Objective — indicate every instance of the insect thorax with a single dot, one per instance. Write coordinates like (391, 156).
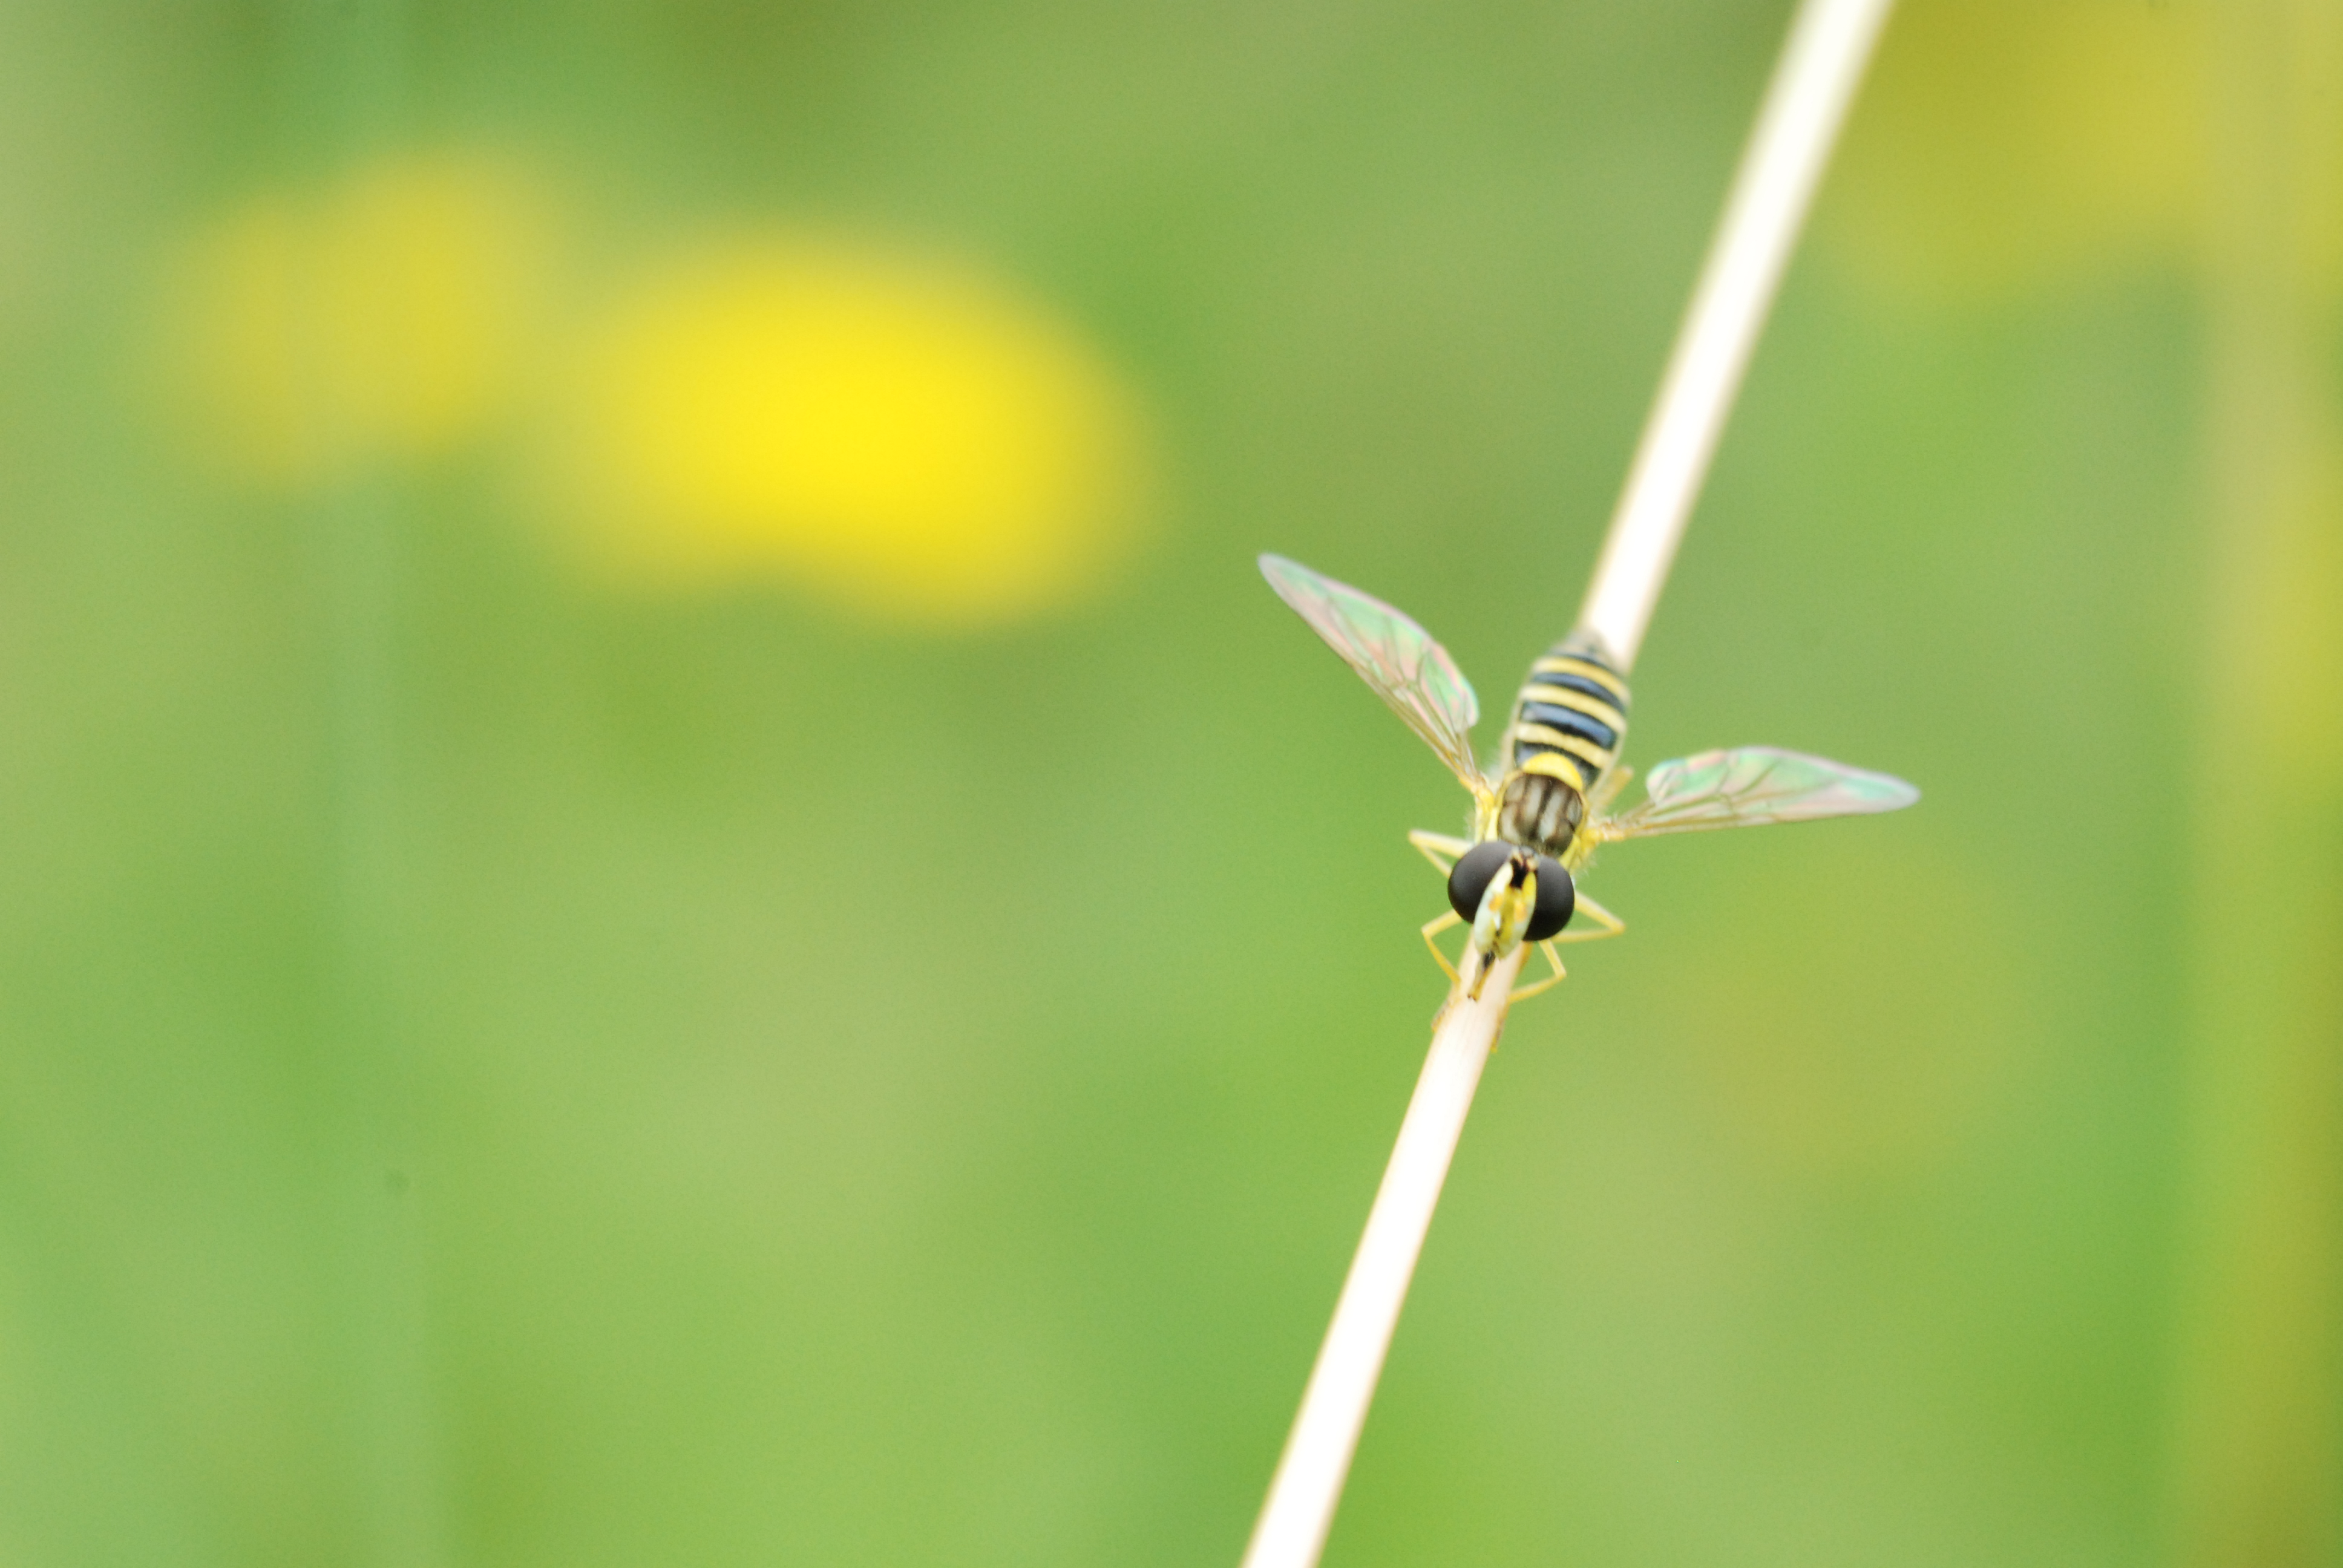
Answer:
(1539, 809)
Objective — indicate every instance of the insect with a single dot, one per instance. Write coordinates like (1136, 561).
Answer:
(1542, 809)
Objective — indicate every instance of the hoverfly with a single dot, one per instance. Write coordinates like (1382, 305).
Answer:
(1541, 810)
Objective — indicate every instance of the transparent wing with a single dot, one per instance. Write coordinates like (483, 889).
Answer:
(1749, 786)
(1391, 654)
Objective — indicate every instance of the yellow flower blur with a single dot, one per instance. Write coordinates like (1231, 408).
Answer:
(899, 437)
(382, 319)
(2004, 146)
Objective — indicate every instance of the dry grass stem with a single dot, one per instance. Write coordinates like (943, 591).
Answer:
(1821, 66)
(1829, 44)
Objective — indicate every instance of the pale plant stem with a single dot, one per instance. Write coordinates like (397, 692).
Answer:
(1830, 42)
(1301, 1507)
(1821, 66)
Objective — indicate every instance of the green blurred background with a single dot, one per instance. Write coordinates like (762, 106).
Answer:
(591, 978)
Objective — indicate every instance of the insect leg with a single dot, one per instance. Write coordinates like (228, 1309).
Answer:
(1608, 791)
(1611, 924)
(1552, 981)
(1438, 847)
(1434, 928)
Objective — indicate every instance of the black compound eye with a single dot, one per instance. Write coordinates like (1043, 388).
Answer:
(1468, 879)
(1557, 899)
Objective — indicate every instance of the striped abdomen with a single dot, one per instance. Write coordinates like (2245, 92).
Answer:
(1568, 726)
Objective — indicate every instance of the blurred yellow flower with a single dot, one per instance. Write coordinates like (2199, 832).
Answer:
(900, 437)
(2005, 144)
(381, 320)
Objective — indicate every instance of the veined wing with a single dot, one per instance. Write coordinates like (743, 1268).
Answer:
(1750, 786)
(1393, 655)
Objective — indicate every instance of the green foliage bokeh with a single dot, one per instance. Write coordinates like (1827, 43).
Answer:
(495, 1069)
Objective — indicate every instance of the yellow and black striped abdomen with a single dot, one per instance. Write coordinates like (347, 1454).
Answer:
(1571, 718)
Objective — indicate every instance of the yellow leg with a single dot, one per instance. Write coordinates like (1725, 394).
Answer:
(1435, 845)
(1611, 924)
(1560, 974)
(1607, 789)
(1434, 928)
(1554, 958)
